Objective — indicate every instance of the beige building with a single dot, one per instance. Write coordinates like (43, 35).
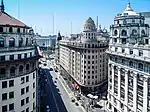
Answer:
(84, 59)
(18, 65)
(129, 63)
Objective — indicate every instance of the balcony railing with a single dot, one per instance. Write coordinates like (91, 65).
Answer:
(5, 49)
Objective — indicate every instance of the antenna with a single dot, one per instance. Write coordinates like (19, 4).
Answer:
(71, 27)
(53, 23)
(97, 23)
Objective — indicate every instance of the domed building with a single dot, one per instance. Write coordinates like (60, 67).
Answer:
(18, 65)
(129, 63)
(83, 60)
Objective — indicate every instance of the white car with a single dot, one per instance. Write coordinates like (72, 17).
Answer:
(47, 108)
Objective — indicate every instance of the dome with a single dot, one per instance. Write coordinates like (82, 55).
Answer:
(89, 25)
(129, 10)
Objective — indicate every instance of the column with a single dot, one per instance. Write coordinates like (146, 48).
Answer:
(145, 93)
(134, 91)
(119, 83)
(6, 42)
(126, 91)
(112, 79)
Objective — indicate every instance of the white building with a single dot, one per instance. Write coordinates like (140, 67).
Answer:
(129, 63)
(18, 65)
(84, 59)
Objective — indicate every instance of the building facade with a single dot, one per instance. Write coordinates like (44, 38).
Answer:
(84, 59)
(129, 63)
(18, 65)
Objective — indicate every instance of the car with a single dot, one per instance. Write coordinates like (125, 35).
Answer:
(45, 64)
(76, 104)
(51, 69)
(47, 108)
(56, 78)
(73, 100)
(55, 81)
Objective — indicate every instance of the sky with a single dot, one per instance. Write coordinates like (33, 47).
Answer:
(39, 14)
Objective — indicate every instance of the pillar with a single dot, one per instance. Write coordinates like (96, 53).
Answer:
(135, 91)
(126, 91)
(145, 93)
(119, 83)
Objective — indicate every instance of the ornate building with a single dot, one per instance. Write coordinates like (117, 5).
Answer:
(18, 65)
(84, 59)
(129, 63)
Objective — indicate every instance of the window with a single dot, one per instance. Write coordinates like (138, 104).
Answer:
(20, 69)
(20, 42)
(18, 30)
(27, 78)
(25, 55)
(134, 32)
(22, 102)
(10, 30)
(1, 42)
(124, 33)
(30, 54)
(88, 57)
(33, 106)
(88, 77)
(12, 71)
(26, 41)
(2, 58)
(22, 80)
(124, 22)
(140, 66)
(131, 63)
(27, 109)
(115, 39)
(4, 108)
(2, 72)
(22, 91)
(11, 95)
(11, 83)
(131, 51)
(140, 53)
(11, 57)
(142, 33)
(27, 100)
(34, 85)
(4, 96)
(123, 50)
(146, 41)
(33, 75)
(34, 95)
(1, 29)
(123, 41)
(11, 42)
(115, 32)
(11, 107)
(4, 84)
(27, 89)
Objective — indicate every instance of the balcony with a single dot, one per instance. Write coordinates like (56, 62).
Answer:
(11, 49)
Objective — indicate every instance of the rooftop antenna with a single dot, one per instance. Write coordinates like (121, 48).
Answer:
(53, 23)
(97, 23)
(71, 27)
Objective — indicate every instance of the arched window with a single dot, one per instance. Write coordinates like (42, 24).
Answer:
(140, 66)
(2, 72)
(20, 69)
(27, 67)
(1, 42)
(18, 30)
(1, 29)
(142, 32)
(10, 30)
(134, 32)
(23, 30)
(12, 71)
(11, 42)
(131, 63)
(124, 33)
(115, 32)
(20, 42)
(32, 65)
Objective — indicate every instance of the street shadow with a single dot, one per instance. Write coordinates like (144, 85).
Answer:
(56, 92)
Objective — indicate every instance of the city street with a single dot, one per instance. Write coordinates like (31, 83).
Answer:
(56, 96)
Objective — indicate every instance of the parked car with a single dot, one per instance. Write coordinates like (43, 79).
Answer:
(47, 108)
(76, 104)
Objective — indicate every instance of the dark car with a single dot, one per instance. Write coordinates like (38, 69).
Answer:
(45, 64)
(51, 69)
(76, 104)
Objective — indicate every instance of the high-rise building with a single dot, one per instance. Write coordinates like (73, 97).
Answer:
(18, 65)
(83, 59)
(129, 63)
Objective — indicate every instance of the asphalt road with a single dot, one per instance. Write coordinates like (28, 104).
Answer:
(53, 98)
(56, 96)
